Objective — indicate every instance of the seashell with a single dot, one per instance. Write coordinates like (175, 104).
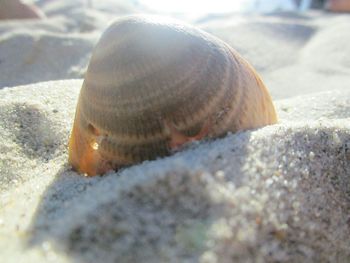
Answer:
(153, 85)
(16, 9)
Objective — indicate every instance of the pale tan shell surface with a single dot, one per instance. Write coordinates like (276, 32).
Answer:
(151, 85)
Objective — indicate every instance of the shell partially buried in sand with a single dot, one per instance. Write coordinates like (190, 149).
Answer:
(153, 85)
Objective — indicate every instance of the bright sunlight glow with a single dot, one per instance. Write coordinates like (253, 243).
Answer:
(198, 7)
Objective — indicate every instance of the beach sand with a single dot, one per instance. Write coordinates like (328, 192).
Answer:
(274, 194)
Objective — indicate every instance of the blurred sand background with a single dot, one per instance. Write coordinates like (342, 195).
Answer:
(275, 194)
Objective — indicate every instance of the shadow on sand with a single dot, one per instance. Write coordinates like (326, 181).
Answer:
(141, 213)
(167, 210)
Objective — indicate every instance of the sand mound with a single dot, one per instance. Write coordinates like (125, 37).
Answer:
(42, 56)
(280, 193)
(295, 53)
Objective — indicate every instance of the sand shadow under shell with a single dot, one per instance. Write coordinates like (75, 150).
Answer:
(167, 209)
(154, 206)
(164, 210)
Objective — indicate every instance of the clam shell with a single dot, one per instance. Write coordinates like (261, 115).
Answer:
(152, 85)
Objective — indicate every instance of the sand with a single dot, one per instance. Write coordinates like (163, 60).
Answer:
(274, 194)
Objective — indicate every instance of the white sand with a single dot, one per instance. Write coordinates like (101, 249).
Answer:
(276, 194)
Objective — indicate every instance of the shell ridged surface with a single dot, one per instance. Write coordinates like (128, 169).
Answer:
(152, 85)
